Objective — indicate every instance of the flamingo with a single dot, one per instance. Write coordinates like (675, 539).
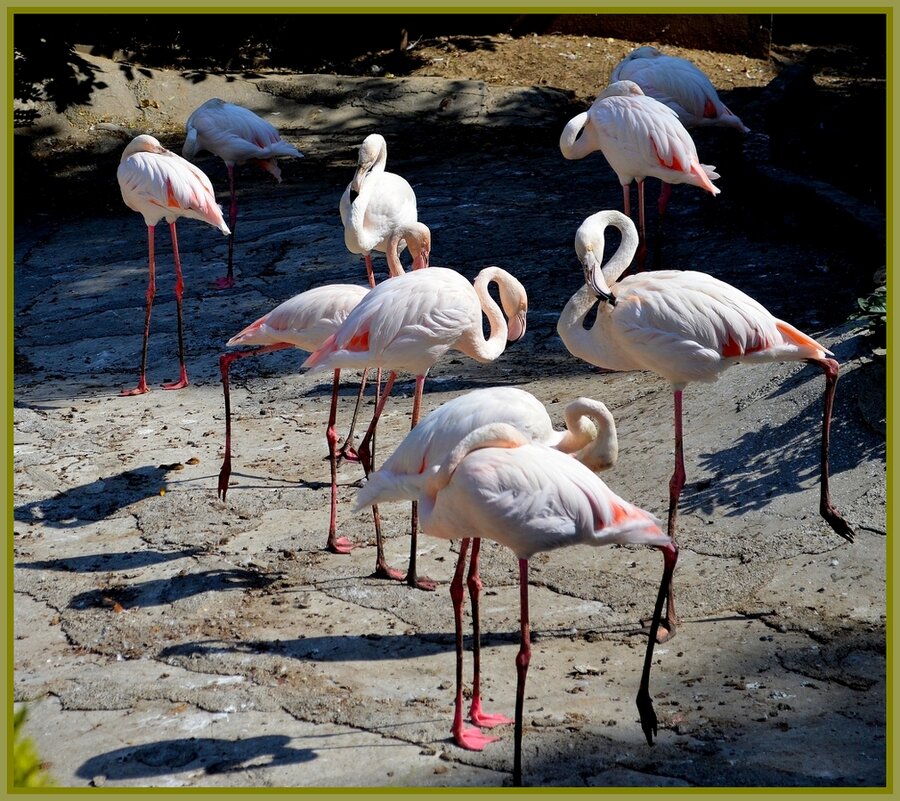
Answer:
(684, 326)
(378, 208)
(678, 83)
(304, 321)
(532, 498)
(237, 136)
(639, 137)
(590, 436)
(157, 183)
(407, 323)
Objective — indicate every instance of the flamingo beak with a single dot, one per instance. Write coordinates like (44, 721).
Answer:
(516, 328)
(591, 269)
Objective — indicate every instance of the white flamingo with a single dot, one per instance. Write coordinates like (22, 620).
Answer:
(160, 184)
(678, 83)
(237, 136)
(590, 436)
(497, 485)
(407, 324)
(684, 326)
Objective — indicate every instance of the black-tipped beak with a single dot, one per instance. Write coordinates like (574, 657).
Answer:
(353, 195)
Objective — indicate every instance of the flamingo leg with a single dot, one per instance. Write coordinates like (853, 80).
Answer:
(334, 544)
(228, 280)
(523, 658)
(419, 582)
(225, 361)
(182, 381)
(474, 583)
(644, 702)
(641, 256)
(366, 458)
(826, 508)
(469, 738)
(142, 387)
(665, 193)
(347, 451)
(370, 272)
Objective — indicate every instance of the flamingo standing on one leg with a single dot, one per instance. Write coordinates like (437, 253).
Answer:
(532, 498)
(684, 326)
(157, 184)
(408, 323)
(640, 137)
(678, 83)
(237, 136)
(590, 436)
(304, 322)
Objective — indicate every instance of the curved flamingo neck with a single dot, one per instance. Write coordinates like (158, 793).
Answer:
(365, 182)
(571, 144)
(590, 240)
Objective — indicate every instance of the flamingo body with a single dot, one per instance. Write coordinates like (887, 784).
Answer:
(236, 135)
(639, 137)
(378, 208)
(679, 84)
(160, 184)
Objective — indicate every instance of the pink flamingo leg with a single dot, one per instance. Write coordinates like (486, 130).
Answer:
(334, 544)
(142, 387)
(182, 381)
(370, 272)
(228, 280)
(347, 451)
(643, 700)
(522, 661)
(420, 582)
(641, 257)
(826, 508)
(225, 361)
(366, 458)
(469, 738)
(477, 715)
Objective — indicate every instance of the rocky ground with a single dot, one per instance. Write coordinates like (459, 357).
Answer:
(166, 638)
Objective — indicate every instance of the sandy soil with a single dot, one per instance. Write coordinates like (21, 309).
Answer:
(167, 638)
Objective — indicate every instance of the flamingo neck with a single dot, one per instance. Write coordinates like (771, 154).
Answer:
(585, 416)
(574, 143)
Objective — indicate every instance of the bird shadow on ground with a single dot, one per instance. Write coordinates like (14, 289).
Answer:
(96, 500)
(212, 755)
(159, 592)
(104, 562)
(782, 459)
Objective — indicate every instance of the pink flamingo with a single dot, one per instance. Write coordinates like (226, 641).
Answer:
(304, 322)
(678, 83)
(378, 209)
(590, 436)
(640, 137)
(237, 136)
(407, 323)
(684, 326)
(157, 184)
(532, 498)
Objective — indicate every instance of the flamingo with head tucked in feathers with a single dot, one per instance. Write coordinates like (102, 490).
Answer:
(678, 83)
(407, 324)
(160, 184)
(304, 321)
(590, 436)
(684, 326)
(237, 136)
(497, 485)
(639, 137)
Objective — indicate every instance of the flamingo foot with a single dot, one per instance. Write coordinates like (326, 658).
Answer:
(224, 475)
(837, 521)
(140, 389)
(383, 571)
(648, 715)
(664, 633)
(339, 545)
(484, 720)
(472, 739)
(421, 582)
(348, 453)
(181, 383)
(225, 282)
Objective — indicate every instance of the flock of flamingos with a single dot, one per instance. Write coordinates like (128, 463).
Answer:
(489, 464)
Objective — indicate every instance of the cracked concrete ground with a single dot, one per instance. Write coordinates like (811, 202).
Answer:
(165, 638)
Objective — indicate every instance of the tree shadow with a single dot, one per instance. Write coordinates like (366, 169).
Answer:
(212, 755)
